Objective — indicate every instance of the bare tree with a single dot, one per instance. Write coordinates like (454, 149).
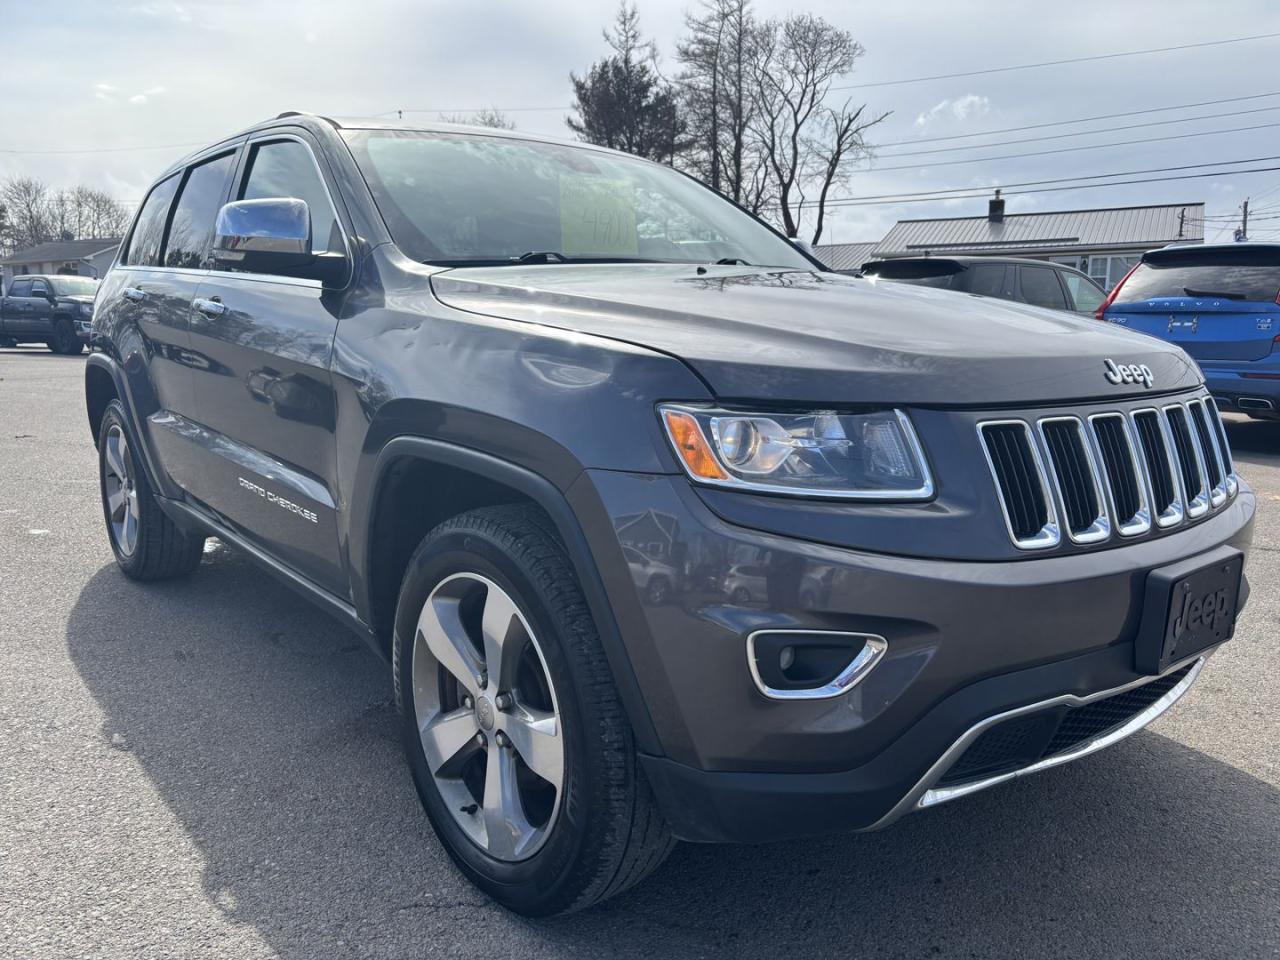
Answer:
(719, 98)
(34, 214)
(805, 143)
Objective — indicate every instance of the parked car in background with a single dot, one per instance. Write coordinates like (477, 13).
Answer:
(1037, 282)
(1220, 303)
(54, 310)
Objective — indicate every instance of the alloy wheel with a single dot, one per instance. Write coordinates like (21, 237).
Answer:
(487, 716)
(120, 489)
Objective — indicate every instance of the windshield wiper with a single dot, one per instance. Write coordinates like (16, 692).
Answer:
(1224, 294)
(540, 256)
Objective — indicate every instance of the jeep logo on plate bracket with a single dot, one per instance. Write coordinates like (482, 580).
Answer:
(1129, 373)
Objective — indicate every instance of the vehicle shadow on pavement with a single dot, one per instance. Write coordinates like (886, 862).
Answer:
(270, 733)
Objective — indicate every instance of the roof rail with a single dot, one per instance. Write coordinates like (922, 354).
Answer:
(303, 113)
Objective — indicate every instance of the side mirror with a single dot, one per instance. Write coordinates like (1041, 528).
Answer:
(272, 235)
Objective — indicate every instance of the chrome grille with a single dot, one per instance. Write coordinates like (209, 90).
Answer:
(1019, 475)
(1120, 472)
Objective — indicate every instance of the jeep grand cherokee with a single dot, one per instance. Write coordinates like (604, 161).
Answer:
(468, 390)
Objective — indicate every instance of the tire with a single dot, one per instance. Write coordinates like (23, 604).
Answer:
(601, 832)
(146, 543)
(64, 341)
(659, 591)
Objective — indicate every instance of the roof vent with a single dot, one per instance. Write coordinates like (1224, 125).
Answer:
(995, 209)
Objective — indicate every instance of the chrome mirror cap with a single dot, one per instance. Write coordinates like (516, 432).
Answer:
(279, 226)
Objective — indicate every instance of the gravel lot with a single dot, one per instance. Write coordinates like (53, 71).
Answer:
(210, 769)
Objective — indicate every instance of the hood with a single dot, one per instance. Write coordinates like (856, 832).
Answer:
(76, 298)
(801, 337)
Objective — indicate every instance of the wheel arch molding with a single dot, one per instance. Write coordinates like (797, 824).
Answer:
(377, 567)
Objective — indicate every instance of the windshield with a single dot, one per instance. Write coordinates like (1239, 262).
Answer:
(74, 286)
(455, 198)
(1243, 274)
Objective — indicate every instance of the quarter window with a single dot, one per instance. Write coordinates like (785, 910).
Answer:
(191, 232)
(1087, 297)
(285, 168)
(148, 232)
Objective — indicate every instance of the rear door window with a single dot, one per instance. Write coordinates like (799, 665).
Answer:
(1253, 276)
(986, 279)
(1040, 287)
(20, 288)
(148, 232)
(191, 232)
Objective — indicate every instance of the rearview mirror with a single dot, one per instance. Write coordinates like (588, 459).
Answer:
(272, 235)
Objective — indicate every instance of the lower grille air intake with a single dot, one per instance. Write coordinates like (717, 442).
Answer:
(1018, 475)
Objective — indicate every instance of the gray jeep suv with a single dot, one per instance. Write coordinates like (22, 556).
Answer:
(472, 391)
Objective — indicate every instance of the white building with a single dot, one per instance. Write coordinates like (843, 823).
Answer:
(85, 258)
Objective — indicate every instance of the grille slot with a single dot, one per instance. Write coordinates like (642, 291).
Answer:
(1209, 450)
(1123, 477)
(1197, 499)
(1220, 432)
(1015, 465)
(1074, 472)
(1160, 469)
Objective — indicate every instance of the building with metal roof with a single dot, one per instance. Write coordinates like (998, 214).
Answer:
(846, 257)
(88, 258)
(1104, 242)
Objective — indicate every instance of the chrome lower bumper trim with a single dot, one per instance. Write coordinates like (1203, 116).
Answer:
(924, 794)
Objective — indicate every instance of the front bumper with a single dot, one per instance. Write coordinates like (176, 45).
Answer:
(967, 642)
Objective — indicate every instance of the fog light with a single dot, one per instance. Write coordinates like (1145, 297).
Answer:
(811, 664)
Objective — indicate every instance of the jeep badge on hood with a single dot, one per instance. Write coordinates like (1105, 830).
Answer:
(1129, 373)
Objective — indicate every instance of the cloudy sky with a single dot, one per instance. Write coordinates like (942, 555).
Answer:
(85, 84)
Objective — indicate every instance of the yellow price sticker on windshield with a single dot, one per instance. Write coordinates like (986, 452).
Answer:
(597, 216)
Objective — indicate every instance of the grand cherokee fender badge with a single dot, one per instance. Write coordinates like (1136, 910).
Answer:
(1129, 373)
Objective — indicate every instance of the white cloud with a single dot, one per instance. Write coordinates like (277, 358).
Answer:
(169, 11)
(956, 108)
(138, 98)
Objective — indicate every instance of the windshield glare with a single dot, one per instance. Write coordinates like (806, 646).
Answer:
(74, 286)
(460, 198)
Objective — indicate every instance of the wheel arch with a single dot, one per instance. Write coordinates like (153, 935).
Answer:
(419, 482)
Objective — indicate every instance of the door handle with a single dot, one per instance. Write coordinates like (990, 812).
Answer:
(210, 308)
(136, 294)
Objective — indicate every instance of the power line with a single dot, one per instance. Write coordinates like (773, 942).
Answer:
(1091, 146)
(1082, 133)
(887, 83)
(1063, 123)
(1055, 63)
(941, 194)
(1082, 186)
(167, 146)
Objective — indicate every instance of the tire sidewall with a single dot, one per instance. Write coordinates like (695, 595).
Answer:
(526, 883)
(115, 416)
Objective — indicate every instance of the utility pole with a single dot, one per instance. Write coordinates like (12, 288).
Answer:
(1243, 232)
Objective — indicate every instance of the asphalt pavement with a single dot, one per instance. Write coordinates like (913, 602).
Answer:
(210, 769)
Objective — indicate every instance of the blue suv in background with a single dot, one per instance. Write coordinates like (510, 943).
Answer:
(1220, 303)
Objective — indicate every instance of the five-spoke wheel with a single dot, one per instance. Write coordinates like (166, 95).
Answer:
(487, 715)
(121, 491)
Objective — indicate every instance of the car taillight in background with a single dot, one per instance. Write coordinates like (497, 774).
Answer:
(1116, 289)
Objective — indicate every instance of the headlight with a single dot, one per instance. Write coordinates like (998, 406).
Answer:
(873, 456)
(86, 310)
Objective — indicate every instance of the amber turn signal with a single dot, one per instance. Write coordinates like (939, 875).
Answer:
(692, 446)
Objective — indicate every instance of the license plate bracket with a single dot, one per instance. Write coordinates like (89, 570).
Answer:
(1190, 606)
